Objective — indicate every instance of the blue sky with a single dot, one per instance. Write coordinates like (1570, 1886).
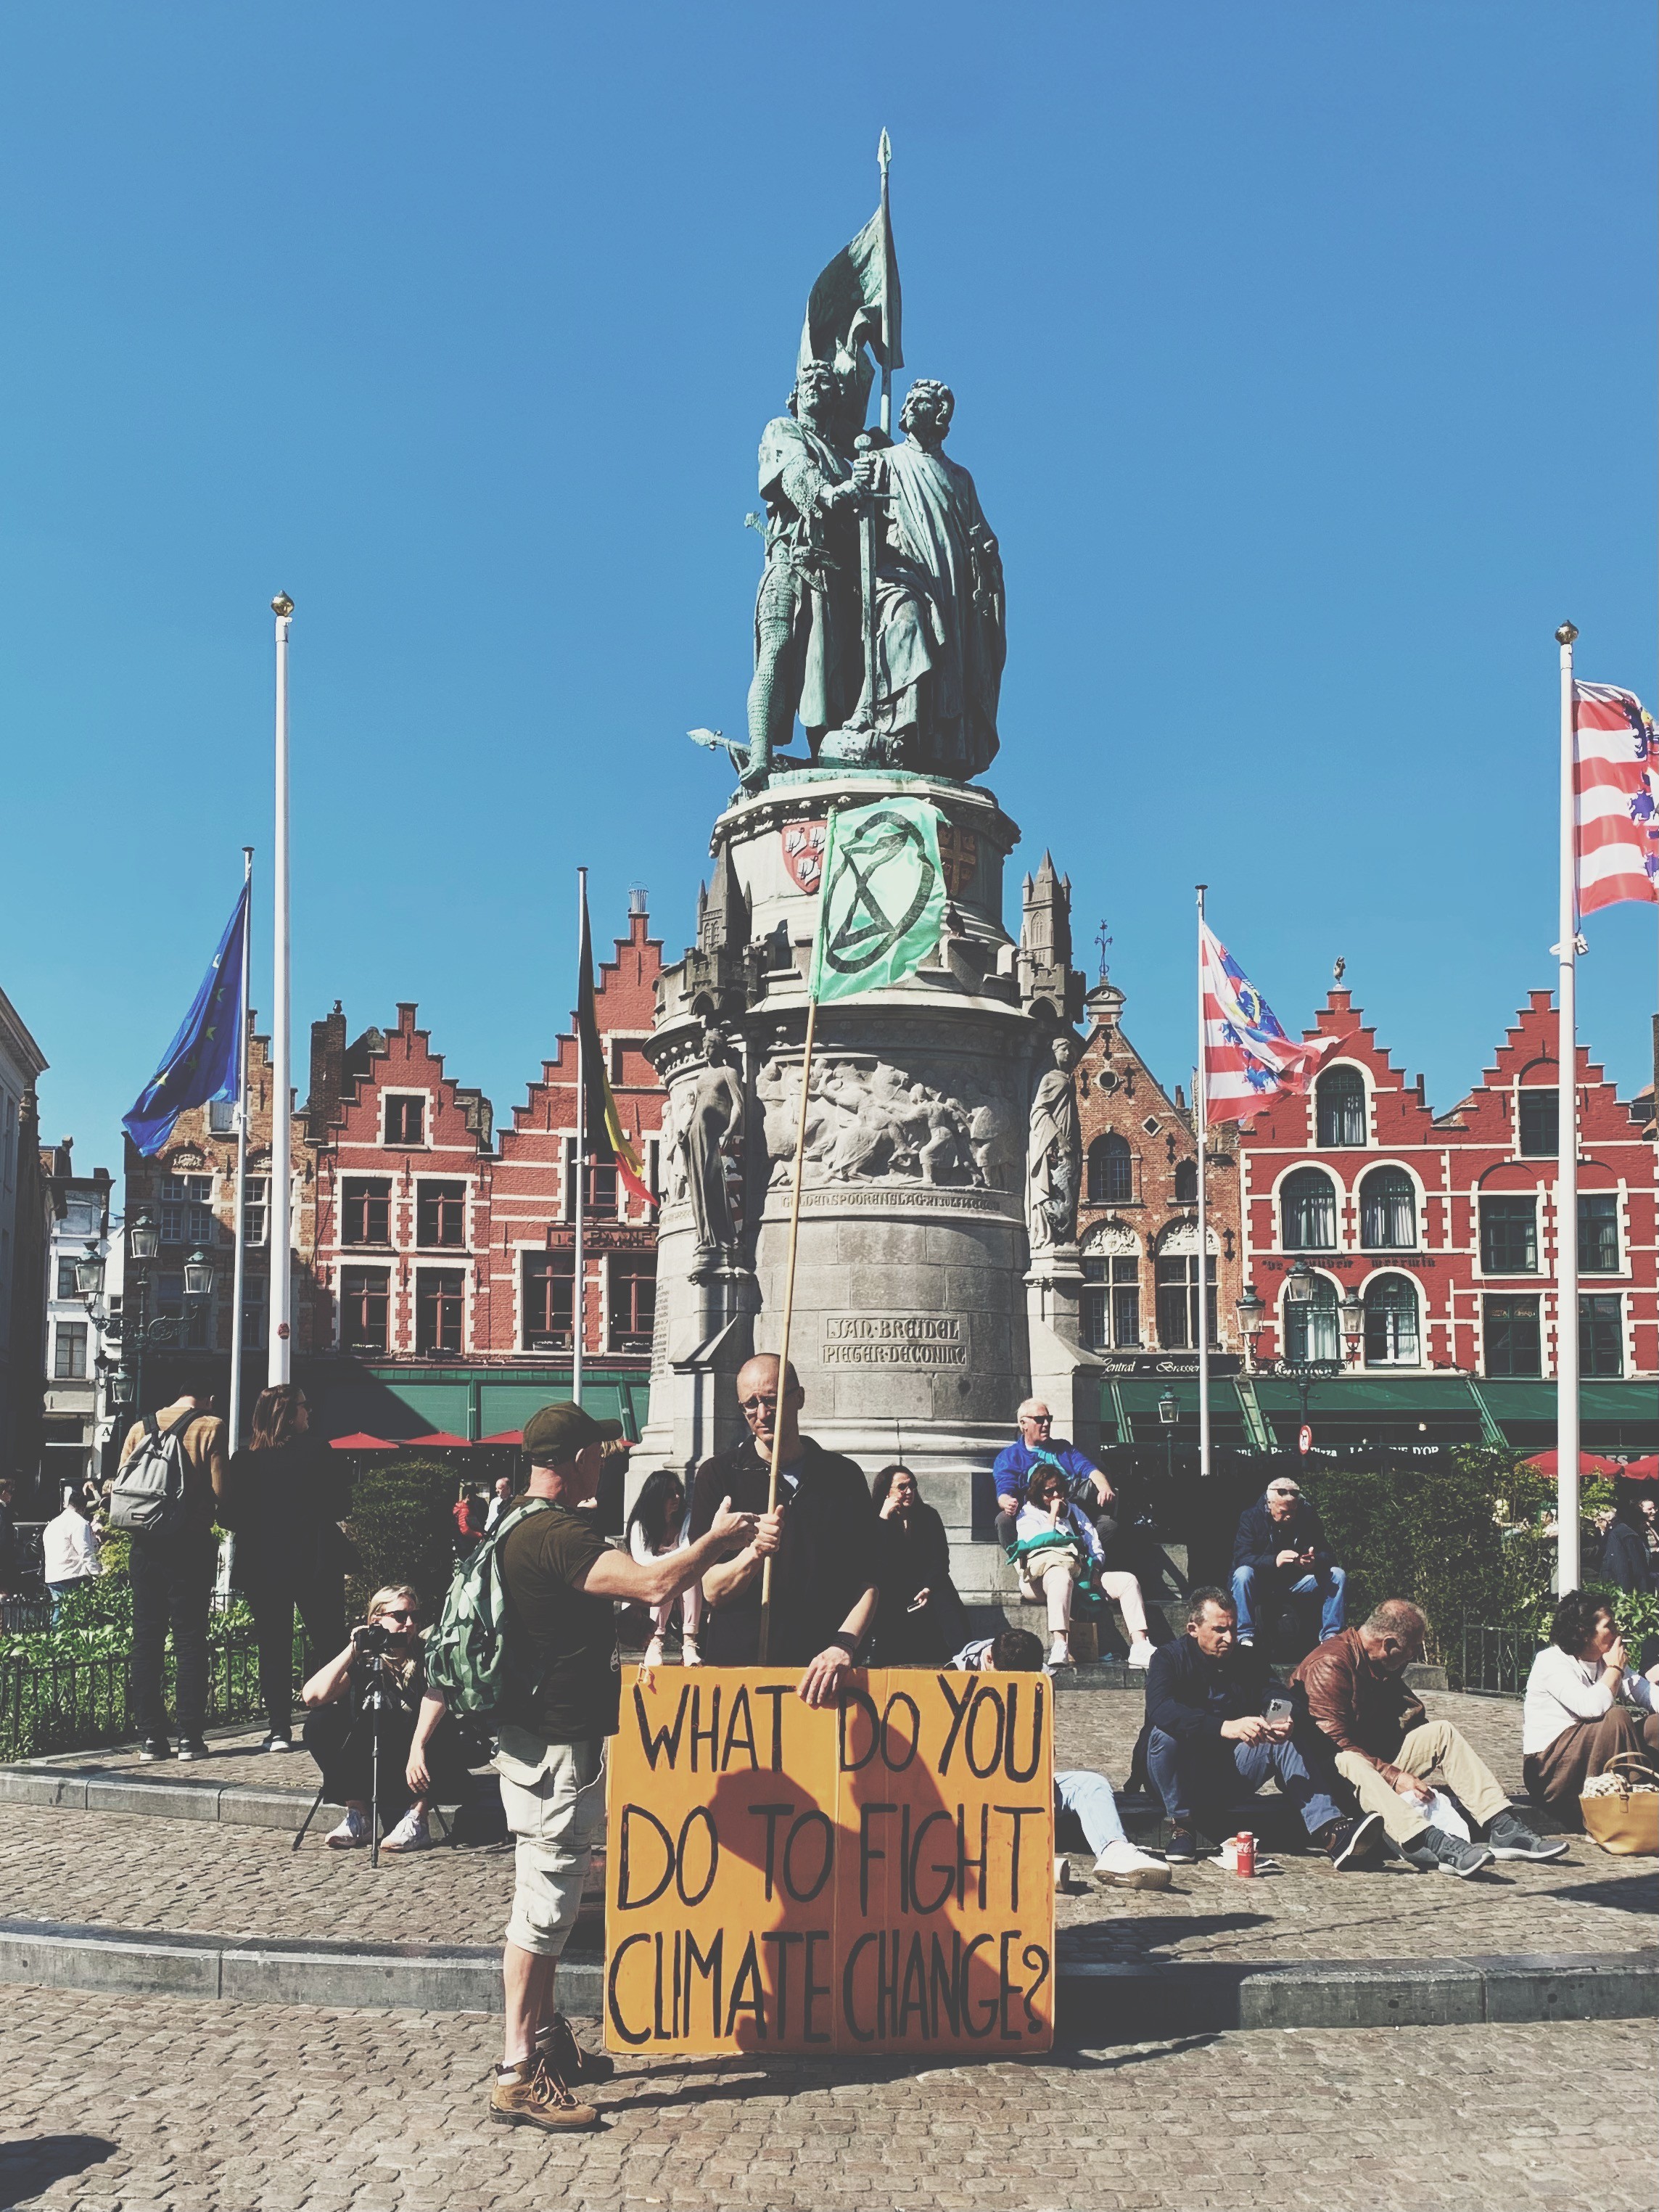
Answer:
(1304, 359)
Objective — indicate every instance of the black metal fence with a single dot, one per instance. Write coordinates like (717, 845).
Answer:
(76, 1704)
(1489, 1658)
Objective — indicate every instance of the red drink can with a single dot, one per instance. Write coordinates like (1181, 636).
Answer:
(1246, 1844)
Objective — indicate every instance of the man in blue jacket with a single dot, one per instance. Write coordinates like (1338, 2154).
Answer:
(1281, 1551)
(1211, 1741)
(1037, 1444)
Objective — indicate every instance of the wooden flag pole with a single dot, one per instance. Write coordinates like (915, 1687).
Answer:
(794, 1234)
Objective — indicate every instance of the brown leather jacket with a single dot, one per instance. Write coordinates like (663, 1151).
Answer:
(1360, 1708)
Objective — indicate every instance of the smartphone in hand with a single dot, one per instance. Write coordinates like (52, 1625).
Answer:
(1278, 1712)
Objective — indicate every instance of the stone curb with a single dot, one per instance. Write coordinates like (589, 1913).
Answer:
(1094, 2000)
(239, 1803)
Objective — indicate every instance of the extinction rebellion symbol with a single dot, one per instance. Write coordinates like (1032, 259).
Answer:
(884, 879)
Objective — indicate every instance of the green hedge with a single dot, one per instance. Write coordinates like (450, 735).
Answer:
(1463, 1540)
(401, 1526)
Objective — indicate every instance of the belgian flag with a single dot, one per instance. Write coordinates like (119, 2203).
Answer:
(606, 1145)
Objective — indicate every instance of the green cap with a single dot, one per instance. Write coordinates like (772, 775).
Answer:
(554, 1434)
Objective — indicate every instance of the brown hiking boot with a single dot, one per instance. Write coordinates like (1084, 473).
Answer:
(571, 2061)
(532, 2096)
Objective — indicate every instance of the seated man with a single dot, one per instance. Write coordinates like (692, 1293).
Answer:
(1088, 1489)
(1209, 1741)
(1387, 1746)
(1281, 1551)
(1086, 1795)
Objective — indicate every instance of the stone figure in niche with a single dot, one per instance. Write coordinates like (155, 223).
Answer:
(808, 656)
(941, 637)
(712, 1134)
(1056, 1154)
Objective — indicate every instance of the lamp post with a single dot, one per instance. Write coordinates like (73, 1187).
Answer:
(1169, 1412)
(1353, 1323)
(137, 1337)
(1252, 1310)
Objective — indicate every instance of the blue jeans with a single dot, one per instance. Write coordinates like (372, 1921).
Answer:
(1330, 1582)
(1090, 1796)
(1205, 1775)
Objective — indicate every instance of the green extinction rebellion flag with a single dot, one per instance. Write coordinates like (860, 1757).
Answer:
(883, 898)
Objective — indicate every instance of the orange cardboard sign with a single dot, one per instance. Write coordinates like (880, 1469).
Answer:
(875, 1876)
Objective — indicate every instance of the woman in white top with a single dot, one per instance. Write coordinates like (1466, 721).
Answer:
(660, 1523)
(1053, 1541)
(1583, 1705)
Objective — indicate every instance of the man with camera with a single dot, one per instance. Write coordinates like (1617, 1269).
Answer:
(1219, 1726)
(377, 1688)
(560, 1580)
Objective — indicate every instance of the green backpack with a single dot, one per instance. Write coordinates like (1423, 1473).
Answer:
(466, 1654)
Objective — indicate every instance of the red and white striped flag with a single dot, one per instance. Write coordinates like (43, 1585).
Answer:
(1615, 797)
(1248, 1061)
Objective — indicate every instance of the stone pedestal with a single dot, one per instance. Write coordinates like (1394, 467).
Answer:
(917, 1325)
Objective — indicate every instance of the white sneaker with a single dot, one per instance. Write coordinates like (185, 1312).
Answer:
(1121, 1866)
(690, 1654)
(654, 1653)
(409, 1835)
(1060, 1655)
(1141, 1651)
(351, 1834)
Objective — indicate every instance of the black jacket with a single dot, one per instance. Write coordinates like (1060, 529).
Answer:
(1189, 1694)
(1260, 1538)
(830, 1555)
(285, 1505)
(1626, 1561)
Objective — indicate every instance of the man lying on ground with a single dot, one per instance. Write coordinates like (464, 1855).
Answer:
(1387, 1747)
(1080, 1792)
(1216, 1733)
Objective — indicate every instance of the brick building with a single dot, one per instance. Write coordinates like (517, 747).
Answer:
(445, 1256)
(1432, 1240)
(1138, 1232)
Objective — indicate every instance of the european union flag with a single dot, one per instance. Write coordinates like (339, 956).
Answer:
(202, 1060)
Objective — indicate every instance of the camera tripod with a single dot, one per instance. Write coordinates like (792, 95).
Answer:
(376, 1700)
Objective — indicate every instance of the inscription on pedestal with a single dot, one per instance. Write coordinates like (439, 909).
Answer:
(875, 1340)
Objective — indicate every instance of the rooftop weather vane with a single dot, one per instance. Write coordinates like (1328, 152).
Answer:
(1103, 938)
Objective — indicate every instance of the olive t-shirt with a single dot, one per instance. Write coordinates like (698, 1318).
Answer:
(568, 1638)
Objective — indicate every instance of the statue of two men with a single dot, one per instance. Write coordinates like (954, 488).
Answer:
(940, 638)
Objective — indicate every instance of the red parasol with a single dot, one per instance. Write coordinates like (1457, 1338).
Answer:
(359, 1442)
(1640, 1470)
(441, 1438)
(506, 1437)
(1589, 1463)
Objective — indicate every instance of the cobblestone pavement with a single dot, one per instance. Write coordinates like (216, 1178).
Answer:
(221, 1880)
(160, 2105)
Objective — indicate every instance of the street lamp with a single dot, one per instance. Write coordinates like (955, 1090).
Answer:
(89, 1274)
(198, 1275)
(143, 1241)
(1353, 1321)
(1169, 1412)
(1252, 1309)
(1300, 1285)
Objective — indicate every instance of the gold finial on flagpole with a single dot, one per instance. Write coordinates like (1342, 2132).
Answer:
(282, 605)
(1566, 635)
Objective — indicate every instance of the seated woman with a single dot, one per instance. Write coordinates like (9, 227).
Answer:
(1583, 1705)
(1055, 1544)
(421, 1754)
(920, 1620)
(660, 1523)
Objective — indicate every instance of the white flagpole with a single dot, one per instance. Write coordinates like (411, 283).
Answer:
(1200, 1112)
(280, 1368)
(578, 1288)
(1566, 1178)
(884, 155)
(239, 1274)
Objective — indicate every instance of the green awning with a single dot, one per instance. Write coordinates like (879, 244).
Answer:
(1369, 1393)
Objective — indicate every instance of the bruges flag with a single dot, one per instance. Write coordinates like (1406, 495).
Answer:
(606, 1145)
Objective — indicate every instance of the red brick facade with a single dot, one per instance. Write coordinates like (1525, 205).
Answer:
(1444, 1225)
(433, 1242)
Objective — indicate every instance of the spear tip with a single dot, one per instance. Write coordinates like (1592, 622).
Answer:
(885, 151)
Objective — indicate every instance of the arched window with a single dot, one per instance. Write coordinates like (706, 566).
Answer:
(1111, 1171)
(1391, 1331)
(1311, 1331)
(1307, 1205)
(1186, 1182)
(1387, 1210)
(1341, 1095)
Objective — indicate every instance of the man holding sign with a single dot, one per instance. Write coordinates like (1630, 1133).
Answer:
(822, 1540)
(559, 1577)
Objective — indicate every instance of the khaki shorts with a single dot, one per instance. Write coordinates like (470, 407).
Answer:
(553, 1795)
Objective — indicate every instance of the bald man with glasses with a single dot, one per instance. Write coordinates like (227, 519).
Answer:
(823, 1538)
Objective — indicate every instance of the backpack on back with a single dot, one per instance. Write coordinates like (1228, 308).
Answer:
(146, 1498)
(466, 1654)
